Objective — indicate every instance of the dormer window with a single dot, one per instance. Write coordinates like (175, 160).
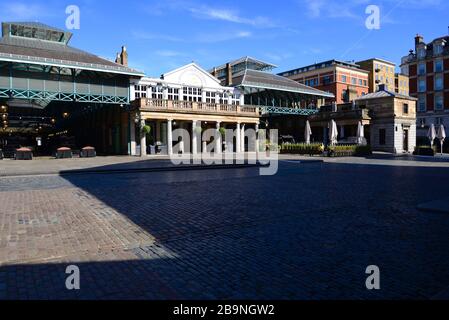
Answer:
(438, 48)
(422, 52)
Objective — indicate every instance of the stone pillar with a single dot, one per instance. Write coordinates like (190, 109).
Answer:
(194, 139)
(165, 93)
(242, 137)
(169, 137)
(238, 139)
(257, 137)
(132, 136)
(218, 141)
(143, 140)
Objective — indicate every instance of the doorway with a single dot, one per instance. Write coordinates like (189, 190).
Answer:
(405, 143)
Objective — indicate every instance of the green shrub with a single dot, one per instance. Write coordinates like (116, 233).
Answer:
(361, 151)
(146, 129)
(349, 150)
(424, 151)
(302, 148)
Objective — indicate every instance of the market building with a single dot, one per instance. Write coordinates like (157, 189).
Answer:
(284, 104)
(189, 98)
(53, 95)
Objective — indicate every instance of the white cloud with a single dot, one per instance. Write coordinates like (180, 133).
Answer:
(230, 16)
(198, 38)
(220, 37)
(355, 8)
(155, 36)
(168, 53)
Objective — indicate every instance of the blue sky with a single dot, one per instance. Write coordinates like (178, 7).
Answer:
(162, 35)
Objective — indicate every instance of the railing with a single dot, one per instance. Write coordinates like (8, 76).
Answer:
(195, 107)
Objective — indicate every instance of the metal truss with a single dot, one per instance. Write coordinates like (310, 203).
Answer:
(61, 96)
(292, 111)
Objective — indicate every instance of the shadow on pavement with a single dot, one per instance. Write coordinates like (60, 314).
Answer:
(307, 233)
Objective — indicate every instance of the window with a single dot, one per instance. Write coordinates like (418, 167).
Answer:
(173, 94)
(438, 49)
(192, 94)
(326, 80)
(422, 103)
(422, 85)
(422, 122)
(382, 137)
(365, 83)
(438, 65)
(343, 79)
(422, 69)
(360, 82)
(223, 98)
(439, 102)
(140, 91)
(422, 52)
(236, 98)
(312, 82)
(405, 108)
(354, 81)
(439, 82)
(210, 97)
(157, 92)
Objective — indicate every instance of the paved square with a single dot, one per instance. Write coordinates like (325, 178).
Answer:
(307, 233)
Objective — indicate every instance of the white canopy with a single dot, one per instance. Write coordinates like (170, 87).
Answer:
(308, 132)
(333, 132)
(432, 134)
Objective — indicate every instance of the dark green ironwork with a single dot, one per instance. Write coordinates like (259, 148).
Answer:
(266, 110)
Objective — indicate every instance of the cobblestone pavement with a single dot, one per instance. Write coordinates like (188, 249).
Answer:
(307, 233)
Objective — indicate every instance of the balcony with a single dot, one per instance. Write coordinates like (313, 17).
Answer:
(155, 105)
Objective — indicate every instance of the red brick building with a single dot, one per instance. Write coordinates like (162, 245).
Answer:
(428, 70)
(343, 79)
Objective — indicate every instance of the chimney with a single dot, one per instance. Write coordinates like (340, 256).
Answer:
(124, 57)
(419, 39)
(228, 74)
(118, 59)
(382, 87)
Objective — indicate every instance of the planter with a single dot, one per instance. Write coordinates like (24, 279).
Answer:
(424, 151)
(88, 152)
(23, 154)
(64, 153)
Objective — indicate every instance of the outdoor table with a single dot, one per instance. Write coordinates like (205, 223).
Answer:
(88, 152)
(24, 154)
(64, 153)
